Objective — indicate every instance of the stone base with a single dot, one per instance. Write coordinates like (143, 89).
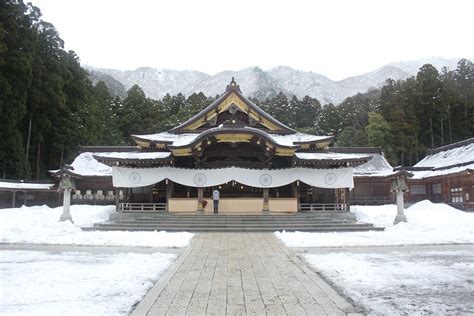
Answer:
(66, 217)
(400, 218)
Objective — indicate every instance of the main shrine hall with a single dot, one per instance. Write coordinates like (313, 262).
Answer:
(257, 163)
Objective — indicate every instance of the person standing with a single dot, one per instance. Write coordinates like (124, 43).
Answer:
(215, 198)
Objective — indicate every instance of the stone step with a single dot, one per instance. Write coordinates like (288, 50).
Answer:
(220, 215)
(342, 228)
(173, 221)
(234, 222)
(184, 225)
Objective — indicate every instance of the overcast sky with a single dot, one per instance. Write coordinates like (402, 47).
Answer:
(337, 38)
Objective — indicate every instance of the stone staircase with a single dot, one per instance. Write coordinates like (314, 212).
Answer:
(307, 222)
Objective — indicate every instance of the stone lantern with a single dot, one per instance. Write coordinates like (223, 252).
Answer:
(399, 187)
(66, 184)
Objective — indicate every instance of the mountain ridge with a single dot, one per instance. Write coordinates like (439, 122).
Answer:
(259, 83)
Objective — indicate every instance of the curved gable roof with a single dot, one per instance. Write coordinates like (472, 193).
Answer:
(232, 90)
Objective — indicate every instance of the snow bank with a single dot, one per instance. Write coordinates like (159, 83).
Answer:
(39, 225)
(428, 223)
(71, 283)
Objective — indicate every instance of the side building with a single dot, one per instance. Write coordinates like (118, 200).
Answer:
(445, 175)
(372, 179)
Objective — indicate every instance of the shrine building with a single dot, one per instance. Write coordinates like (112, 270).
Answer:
(256, 162)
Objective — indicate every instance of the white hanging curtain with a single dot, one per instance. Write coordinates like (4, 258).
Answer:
(259, 178)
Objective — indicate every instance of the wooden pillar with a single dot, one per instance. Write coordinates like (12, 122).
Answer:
(117, 199)
(152, 189)
(297, 195)
(200, 208)
(169, 189)
(24, 198)
(266, 207)
(347, 199)
(13, 199)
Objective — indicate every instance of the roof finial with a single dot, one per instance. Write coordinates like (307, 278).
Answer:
(233, 86)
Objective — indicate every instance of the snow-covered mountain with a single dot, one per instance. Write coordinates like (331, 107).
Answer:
(413, 66)
(259, 83)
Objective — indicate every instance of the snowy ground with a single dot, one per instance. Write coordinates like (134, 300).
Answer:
(72, 282)
(428, 223)
(403, 283)
(39, 225)
(76, 283)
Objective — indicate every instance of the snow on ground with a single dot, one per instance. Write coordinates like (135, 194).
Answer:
(40, 225)
(428, 223)
(73, 283)
(409, 283)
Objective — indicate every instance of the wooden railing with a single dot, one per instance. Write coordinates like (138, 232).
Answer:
(324, 207)
(142, 207)
(372, 200)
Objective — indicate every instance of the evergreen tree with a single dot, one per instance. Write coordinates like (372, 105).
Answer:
(307, 113)
(429, 108)
(328, 122)
(16, 54)
(379, 134)
(464, 81)
(136, 116)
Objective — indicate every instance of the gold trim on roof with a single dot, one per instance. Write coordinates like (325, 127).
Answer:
(146, 144)
(181, 152)
(323, 145)
(232, 99)
(234, 138)
(285, 152)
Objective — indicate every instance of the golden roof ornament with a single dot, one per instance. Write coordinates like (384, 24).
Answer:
(233, 86)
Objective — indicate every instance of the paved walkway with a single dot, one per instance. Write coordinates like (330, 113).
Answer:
(241, 274)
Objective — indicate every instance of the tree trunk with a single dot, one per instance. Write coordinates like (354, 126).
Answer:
(431, 132)
(466, 120)
(27, 155)
(38, 159)
(442, 128)
(449, 125)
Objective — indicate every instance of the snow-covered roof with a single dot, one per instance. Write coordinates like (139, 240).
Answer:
(378, 166)
(449, 157)
(86, 165)
(25, 186)
(441, 172)
(174, 139)
(294, 139)
(134, 155)
(185, 139)
(329, 156)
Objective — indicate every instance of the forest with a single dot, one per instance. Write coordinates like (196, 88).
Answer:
(49, 107)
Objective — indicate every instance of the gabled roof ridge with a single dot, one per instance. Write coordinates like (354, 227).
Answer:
(262, 112)
(232, 88)
(202, 112)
